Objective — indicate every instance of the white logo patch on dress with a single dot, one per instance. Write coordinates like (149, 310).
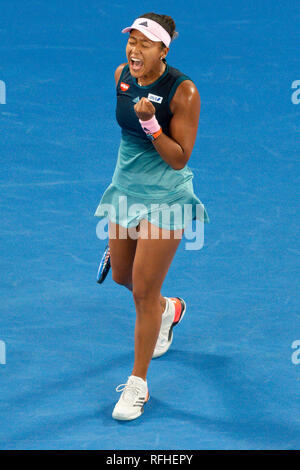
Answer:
(155, 98)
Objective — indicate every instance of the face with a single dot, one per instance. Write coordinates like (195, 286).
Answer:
(149, 53)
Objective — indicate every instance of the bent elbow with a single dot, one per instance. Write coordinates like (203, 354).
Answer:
(178, 167)
(181, 165)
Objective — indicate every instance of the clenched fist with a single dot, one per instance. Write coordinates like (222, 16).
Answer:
(144, 109)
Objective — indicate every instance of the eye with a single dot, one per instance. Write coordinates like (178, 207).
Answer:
(132, 43)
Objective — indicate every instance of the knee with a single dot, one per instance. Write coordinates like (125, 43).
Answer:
(142, 294)
(121, 279)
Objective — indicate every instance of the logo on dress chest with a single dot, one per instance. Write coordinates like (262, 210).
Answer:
(150, 97)
(124, 86)
(155, 98)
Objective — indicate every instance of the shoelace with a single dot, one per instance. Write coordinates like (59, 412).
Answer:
(130, 392)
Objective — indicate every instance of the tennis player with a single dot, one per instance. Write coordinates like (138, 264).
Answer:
(158, 111)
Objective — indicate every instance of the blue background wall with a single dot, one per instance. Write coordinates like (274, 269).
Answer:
(228, 382)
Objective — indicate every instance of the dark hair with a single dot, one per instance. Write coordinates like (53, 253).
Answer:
(165, 21)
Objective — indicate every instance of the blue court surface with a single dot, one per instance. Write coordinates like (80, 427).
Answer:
(231, 377)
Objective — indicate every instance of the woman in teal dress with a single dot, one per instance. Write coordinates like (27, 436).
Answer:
(150, 200)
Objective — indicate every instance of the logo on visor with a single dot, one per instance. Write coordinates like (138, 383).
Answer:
(124, 86)
(144, 24)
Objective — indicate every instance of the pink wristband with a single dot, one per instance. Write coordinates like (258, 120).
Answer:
(151, 126)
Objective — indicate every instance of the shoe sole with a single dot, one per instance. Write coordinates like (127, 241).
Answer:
(170, 338)
(125, 418)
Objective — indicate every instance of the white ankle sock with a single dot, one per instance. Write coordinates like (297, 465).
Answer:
(139, 379)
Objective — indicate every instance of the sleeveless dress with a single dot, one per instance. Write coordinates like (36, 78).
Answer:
(143, 185)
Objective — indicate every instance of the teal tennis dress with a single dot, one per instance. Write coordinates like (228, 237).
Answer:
(143, 185)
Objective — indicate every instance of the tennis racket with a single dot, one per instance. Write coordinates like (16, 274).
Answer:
(104, 265)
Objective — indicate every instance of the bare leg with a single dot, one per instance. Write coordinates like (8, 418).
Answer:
(122, 252)
(162, 300)
(152, 260)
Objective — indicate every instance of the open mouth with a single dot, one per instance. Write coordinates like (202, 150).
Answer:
(136, 64)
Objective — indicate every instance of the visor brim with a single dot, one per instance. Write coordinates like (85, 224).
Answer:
(142, 30)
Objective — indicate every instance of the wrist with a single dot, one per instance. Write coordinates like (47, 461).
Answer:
(151, 126)
(155, 134)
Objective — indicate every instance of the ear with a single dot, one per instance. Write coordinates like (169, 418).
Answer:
(164, 51)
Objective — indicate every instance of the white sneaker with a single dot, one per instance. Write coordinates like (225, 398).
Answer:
(131, 402)
(173, 314)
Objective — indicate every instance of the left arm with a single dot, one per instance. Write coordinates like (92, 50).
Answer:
(185, 106)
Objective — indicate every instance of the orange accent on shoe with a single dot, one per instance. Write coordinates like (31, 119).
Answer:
(178, 309)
